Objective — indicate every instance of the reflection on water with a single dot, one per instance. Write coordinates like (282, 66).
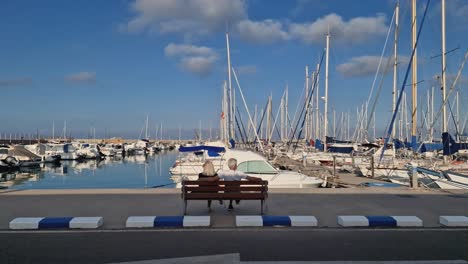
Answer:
(137, 171)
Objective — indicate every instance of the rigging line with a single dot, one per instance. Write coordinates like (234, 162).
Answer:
(242, 125)
(246, 108)
(305, 104)
(389, 132)
(276, 119)
(239, 129)
(261, 120)
(451, 90)
(453, 119)
(369, 120)
(381, 58)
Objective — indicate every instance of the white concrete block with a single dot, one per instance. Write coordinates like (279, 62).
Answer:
(352, 220)
(298, 220)
(190, 221)
(249, 220)
(140, 221)
(86, 222)
(25, 223)
(408, 221)
(453, 220)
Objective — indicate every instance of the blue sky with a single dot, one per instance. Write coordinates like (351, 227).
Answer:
(107, 64)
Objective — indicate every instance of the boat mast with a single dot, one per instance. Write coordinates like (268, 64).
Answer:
(231, 101)
(326, 93)
(458, 116)
(53, 130)
(444, 81)
(317, 109)
(395, 63)
(306, 126)
(146, 129)
(414, 84)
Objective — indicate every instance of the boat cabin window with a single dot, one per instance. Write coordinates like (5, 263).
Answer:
(3, 151)
(256, 167)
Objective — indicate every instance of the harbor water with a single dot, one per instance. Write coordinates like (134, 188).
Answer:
(138, 171)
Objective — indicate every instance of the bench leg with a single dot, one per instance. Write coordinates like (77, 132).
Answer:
(185, 207)
(261, 205)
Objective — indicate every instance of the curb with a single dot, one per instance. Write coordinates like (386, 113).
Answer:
(56, 222)
(453, 221)
(167, 221)
(264, 220)
(379, 221)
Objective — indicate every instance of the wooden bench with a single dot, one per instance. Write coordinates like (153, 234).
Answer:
(225, 190)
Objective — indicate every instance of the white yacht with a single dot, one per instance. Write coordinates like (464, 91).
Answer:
(256, 165)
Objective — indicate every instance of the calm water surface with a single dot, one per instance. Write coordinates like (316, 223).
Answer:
(128, 172)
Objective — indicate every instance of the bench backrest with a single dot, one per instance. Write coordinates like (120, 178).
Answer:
(212, 187)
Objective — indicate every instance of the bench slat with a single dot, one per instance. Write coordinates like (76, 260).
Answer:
(223, 183)
(223, 189)
(225, 196)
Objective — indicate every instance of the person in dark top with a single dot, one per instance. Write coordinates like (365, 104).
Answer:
(209, 174)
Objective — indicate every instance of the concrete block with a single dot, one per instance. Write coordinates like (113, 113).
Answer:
(297, 220)
(453, 220)
(408, 221)
(25, 223)
(140, 221)
(274, 220)
(191, 221)
(86, 222)
(249, 220)
(352, 220)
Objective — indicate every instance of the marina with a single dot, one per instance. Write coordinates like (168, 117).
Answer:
(198, 131)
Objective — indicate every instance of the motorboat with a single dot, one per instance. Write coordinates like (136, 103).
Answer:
(254, 164)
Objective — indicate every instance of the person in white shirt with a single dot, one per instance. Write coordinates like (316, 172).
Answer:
(233, 175)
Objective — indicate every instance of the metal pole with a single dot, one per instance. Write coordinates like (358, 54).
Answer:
(326, 93)
(395, 63)
(414, 119)
(444, 81)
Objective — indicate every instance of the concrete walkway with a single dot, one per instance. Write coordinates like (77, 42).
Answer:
(325, 204)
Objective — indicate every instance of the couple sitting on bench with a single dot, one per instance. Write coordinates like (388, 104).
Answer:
(232, 174)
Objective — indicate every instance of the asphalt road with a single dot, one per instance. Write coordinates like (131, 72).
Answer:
(254, 244)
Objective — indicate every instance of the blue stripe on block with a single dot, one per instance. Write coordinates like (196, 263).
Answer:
(168, 221)
(55, 222)
(381, 221)
(276, 220)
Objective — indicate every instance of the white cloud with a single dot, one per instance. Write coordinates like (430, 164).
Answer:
(266, 31)
(246, 69)
(81, 77)
(355, 30)
(189, 17)
(15, 82)
(187, 50)
(367, 65)
(198, 65)
(195, 59)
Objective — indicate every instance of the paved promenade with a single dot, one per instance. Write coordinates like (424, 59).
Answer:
(325, 204)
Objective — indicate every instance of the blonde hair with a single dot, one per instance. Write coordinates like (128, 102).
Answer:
(208, 169)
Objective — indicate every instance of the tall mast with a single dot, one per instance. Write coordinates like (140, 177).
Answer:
(458, 116)
(395, 63)
(317, 112)
(231, 101)
(444, 81)
(326, 93)
(306, 126)
(286, 114)
(414, 119)
(432, 114)
(146, 129)
(53, 130)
